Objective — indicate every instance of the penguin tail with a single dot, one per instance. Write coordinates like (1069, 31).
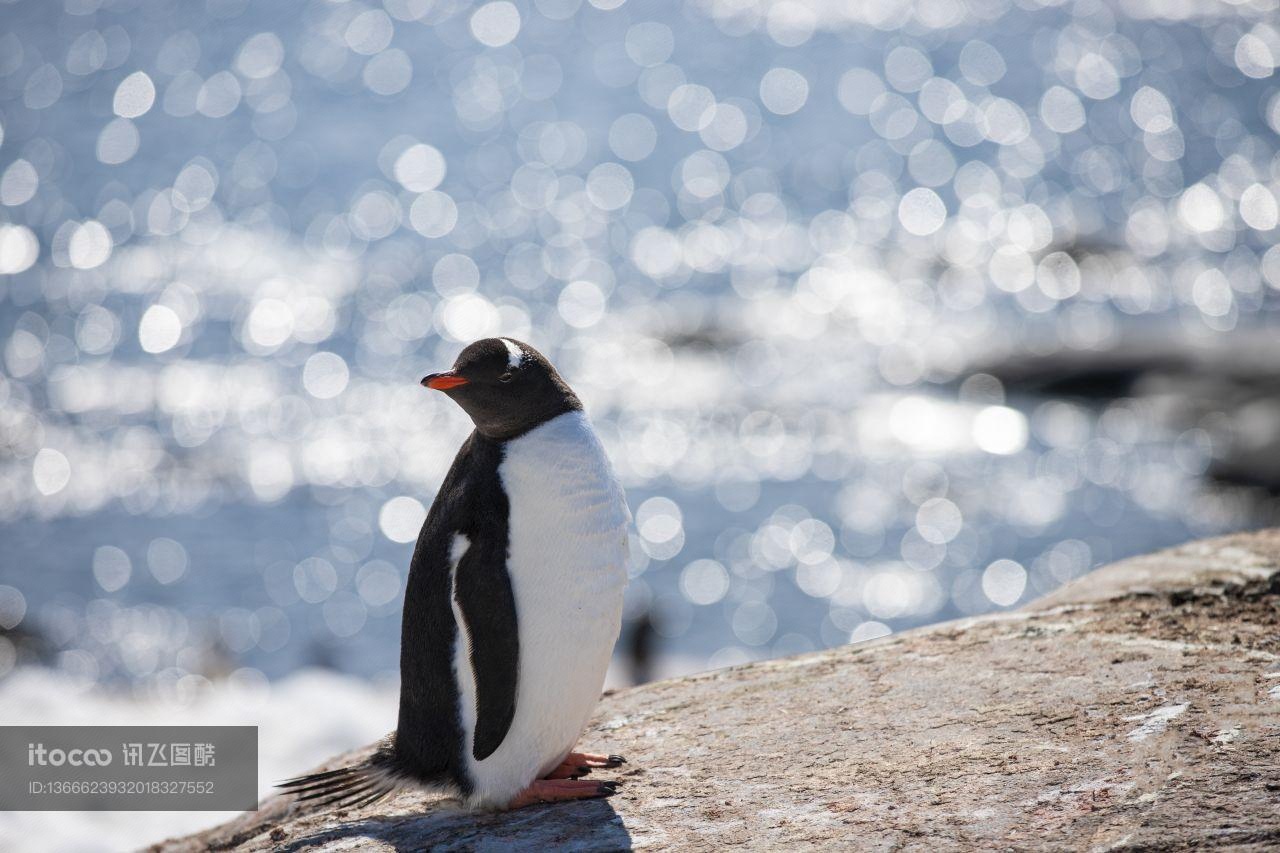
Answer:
(348, 787)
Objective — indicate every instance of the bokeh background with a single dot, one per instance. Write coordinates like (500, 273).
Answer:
(888, 312)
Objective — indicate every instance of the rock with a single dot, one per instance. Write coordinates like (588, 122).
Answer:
(1136, 708)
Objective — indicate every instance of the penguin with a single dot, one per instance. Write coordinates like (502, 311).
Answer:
(513, 602)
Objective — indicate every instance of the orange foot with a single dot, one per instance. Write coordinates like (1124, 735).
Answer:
(557, 790)
(577, 764)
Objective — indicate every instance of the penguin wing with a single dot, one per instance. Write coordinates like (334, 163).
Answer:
(482, 589)
(458, 599)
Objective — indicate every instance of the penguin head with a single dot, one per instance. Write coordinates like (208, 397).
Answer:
(506, 386)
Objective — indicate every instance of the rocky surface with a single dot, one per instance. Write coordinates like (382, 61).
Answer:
(1136, 708)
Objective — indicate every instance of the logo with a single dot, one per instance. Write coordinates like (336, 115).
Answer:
(38, 756)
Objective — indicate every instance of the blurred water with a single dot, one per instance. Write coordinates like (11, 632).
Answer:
(767, 243)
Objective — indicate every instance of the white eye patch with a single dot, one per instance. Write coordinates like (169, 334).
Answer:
(515, 355)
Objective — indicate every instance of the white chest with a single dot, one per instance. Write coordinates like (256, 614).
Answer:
(568, 516)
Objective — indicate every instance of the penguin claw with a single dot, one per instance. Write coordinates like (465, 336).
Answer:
(594, 759)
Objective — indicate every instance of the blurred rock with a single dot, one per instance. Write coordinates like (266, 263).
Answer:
(638, 642)
(1155, 362)
(1135, 708)
(1228, 385)
(30, 647)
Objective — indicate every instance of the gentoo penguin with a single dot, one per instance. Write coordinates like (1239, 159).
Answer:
(513, 602)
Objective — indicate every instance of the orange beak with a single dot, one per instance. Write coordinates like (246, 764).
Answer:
(443, 381)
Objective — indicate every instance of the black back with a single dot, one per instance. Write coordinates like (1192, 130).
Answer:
(430, 740)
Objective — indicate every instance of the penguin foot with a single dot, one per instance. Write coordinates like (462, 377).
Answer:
(558, 790)
(568, 770)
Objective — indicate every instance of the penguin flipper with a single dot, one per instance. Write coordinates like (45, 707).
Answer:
(482, 588)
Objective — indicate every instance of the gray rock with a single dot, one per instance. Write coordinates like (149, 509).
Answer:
(1136, 708)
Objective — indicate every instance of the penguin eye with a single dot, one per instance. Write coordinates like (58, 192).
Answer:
(506, 377)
